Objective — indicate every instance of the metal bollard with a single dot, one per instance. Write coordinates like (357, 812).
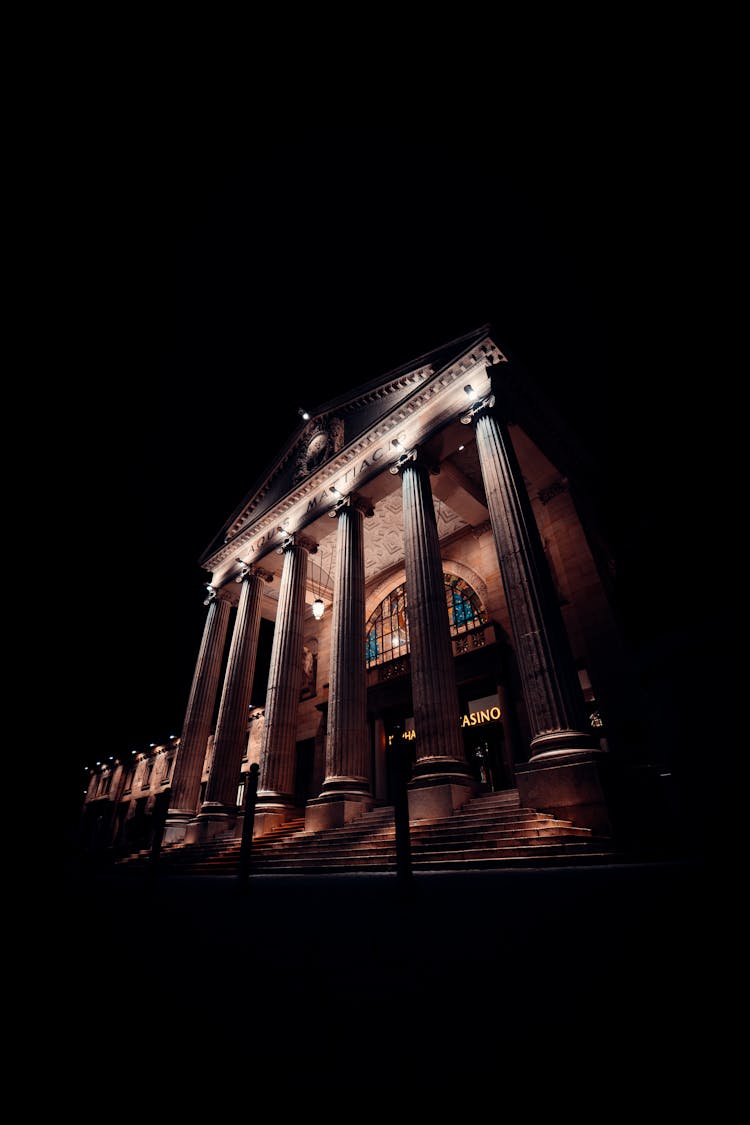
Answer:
(246, 843)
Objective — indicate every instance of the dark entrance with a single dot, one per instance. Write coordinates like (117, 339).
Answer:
(303, 774)
(400, 750)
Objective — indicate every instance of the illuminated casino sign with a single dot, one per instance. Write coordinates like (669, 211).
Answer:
(471, 719)
(474, 718)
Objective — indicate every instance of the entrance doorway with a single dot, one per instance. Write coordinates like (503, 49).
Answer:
(303, 774)
(484, 743)
(400, 752)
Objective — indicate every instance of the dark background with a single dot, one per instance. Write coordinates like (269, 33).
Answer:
(227, 272)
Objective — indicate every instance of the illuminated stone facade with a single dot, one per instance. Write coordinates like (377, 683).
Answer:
(446, 518)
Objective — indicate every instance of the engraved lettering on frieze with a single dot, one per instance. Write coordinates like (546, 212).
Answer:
(316, 501)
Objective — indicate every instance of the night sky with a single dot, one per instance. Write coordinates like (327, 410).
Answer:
(229, 275)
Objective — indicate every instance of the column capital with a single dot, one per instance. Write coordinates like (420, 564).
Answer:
(296, 539)
(418, 456)
(253, 571)
(212, 594)
(480, 407)
(358, 503)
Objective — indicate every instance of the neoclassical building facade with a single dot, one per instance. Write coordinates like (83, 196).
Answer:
(428, 551)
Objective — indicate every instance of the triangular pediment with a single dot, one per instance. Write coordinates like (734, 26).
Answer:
(346, 422)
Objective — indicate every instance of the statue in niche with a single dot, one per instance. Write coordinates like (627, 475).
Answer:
(309, 673)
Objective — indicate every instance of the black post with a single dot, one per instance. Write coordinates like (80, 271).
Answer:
(251, 794)
(159, 821)
(402, 775)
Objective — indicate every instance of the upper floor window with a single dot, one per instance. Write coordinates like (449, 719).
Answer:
(387, 629)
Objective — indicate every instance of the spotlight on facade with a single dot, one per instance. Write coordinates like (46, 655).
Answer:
(305, 416)
(397, 444)
(335, 492)
(469, 390)
(318, 609)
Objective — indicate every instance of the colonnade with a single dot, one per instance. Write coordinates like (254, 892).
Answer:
(441, 779)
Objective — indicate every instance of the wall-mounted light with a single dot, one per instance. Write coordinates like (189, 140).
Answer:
(469, 390)
(335, 492)
(305, 416)
(397, 444)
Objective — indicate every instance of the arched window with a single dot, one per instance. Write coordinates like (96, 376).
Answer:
(387, 629)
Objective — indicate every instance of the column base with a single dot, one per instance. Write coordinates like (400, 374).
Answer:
(176, 826)
(211, 821)
(574, 787)
(431, 797)
(271, 811)
(553, 743)
(336, 809)
(268, 819)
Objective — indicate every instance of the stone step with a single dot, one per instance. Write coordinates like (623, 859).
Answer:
(513, 812)
(364, 828)
(453, 859)
(491, 833)
(442, 862)
(294, 835)
(477, 824)
(443, 836)
(505, 798)
(489, 830)
(423, 829)
(387, 853)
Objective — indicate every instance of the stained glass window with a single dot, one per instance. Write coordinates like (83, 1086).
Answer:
(387, 630)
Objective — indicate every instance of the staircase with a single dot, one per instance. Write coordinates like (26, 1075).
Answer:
(489, 832)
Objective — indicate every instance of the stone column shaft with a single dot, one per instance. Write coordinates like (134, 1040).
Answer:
(277, 755)
(440, 749)
(230, 739)
(551, 689)
(185, 788)
(347, 748)
(346, 788)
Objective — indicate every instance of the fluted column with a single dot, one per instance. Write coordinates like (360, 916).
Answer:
(346, 791)
(186, 782)
(441, 761)
(552, 693)
(277, 756)
(230, 738)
